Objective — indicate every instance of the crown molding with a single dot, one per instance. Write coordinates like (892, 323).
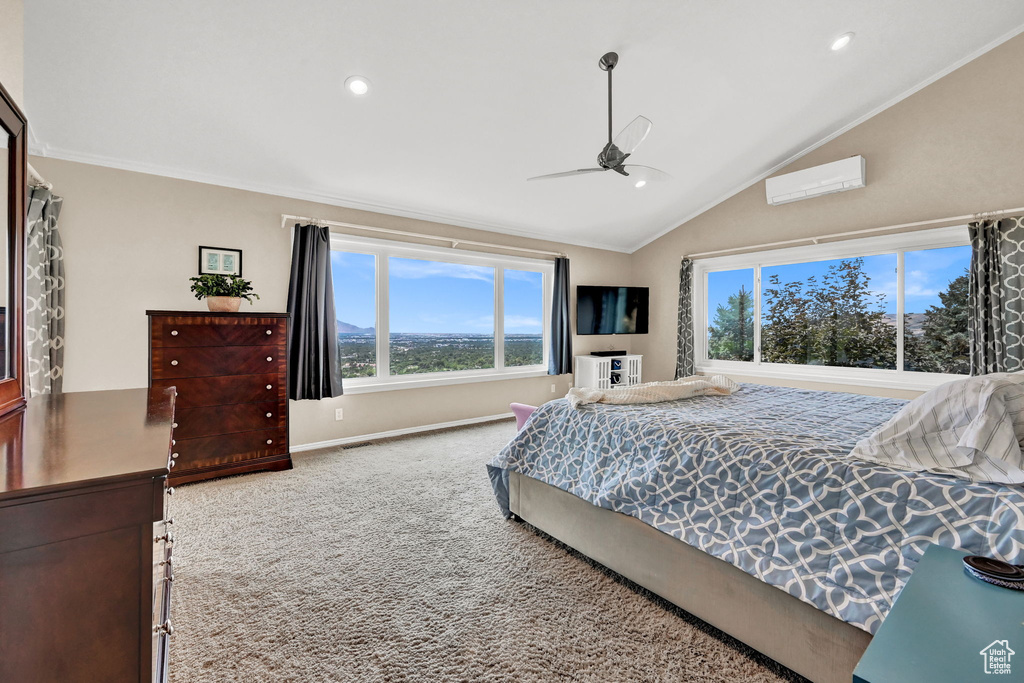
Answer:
(832, 136)
(44, 150)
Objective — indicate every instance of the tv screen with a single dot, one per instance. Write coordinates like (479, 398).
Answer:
(611, 310)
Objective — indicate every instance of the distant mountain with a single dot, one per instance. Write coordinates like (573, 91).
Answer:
(347, 328)
(914, 322)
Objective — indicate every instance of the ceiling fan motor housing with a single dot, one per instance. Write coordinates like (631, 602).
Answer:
(611, 157)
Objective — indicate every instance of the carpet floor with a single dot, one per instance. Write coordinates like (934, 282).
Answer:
(391, 562)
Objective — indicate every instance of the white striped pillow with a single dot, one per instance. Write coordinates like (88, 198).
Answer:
(971, 428)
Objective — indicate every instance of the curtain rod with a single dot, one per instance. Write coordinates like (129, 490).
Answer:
(850, 233)
(37, 180)
(454, 242)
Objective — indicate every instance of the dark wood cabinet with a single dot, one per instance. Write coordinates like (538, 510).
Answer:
(230, 371)
(85, 555)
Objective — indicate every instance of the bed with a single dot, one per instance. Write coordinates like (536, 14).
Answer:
(747, 511)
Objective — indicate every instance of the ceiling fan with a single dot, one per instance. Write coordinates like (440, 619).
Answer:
(615, 153)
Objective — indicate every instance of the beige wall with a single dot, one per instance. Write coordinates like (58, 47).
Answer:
(12, 49)
(956, 147)
(131, 244)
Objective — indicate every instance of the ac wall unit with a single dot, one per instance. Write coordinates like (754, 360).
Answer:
(838, 176)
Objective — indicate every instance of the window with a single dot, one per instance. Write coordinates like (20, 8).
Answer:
(881, 311)
(935, 319)
(355, 305)
(524, 318)
(731, 304)
(411, 315)
(829, 313)
(441, 316)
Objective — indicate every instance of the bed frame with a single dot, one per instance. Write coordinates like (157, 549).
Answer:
(793, 633)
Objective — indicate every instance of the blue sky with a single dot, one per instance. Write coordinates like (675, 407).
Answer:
(436, 297)
(928, 273)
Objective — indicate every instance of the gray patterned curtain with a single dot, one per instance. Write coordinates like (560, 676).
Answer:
(44, 294)
(560, 353)
(313, 334)
(996, 296)
(684, 328)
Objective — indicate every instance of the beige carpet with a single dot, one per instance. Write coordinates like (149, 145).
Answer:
(391, 562)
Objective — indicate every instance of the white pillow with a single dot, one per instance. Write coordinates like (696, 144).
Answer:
(970, 428)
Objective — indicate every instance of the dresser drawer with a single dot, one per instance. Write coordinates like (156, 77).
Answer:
(214, 361)
(192, 423)
(215, 391)
(225, 449)
(212, 331)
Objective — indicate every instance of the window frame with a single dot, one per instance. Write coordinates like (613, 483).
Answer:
(898, 244)
(382, 250)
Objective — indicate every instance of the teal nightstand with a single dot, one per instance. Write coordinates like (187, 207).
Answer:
(947, 627)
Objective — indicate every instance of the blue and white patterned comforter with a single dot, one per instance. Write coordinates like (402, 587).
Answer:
(761, 479)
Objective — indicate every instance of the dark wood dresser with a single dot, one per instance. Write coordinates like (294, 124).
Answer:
(231, 373)
(85, 553)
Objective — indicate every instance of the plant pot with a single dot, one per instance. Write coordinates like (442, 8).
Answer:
(223, 304)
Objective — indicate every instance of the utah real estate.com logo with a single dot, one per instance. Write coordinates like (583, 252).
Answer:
(997, 657)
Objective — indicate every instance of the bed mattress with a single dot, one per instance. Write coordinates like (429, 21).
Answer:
(761, 479)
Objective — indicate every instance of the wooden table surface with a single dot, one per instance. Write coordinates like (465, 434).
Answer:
(61, 440)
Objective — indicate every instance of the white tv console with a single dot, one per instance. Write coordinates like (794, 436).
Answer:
(605, 372)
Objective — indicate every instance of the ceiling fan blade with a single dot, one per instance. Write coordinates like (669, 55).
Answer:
(638, 173)
(632, 135)
(563, 174)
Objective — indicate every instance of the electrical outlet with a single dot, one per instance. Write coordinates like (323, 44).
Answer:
(552, 388)
(339, 414)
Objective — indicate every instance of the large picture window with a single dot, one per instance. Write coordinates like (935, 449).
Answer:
(889, 310)
(411, 315)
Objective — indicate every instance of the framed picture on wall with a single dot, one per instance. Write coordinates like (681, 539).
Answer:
(220, 261)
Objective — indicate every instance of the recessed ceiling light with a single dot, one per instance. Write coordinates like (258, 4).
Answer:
(841, 42)
(640, 183)
(357, 85)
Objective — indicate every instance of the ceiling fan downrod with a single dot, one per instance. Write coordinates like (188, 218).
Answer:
(607, 63)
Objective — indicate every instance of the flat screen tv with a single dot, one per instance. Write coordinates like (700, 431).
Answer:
(611, 310)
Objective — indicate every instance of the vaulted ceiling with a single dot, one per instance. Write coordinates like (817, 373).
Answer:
(471, 97)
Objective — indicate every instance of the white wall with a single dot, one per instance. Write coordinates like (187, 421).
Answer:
(12, 49)
(131, 244)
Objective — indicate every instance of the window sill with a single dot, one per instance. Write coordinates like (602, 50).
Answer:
(859, 377)
(372, 385)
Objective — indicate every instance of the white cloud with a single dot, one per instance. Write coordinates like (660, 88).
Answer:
(411, 269)
(525, 276)
(918, 290)
(522, 322)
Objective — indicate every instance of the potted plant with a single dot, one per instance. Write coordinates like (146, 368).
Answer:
(223, 293)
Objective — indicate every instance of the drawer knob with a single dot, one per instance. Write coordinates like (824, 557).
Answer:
(270, 386)
(270, 358)
(164, 563)
(174, 425)
(167, 538)
(270, 332)
(168, 521)
(174, 333)
(174, 455)
(270, 441)
(164, 628)
(174, 362)
(170, 490)
(270, 415)
(170, 465)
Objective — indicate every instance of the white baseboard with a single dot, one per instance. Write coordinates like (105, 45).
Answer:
(361, 438)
